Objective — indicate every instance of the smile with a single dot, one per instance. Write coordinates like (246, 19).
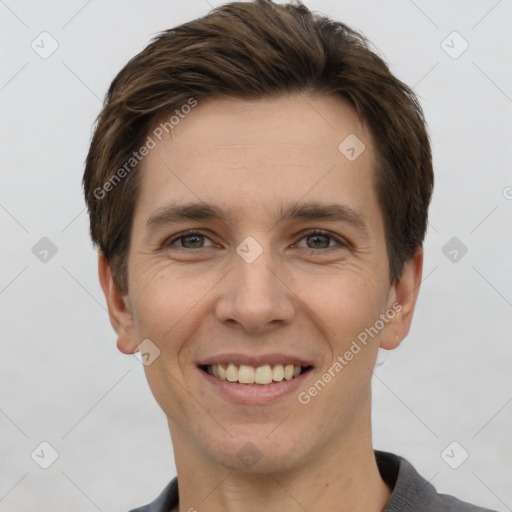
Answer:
(260, 375)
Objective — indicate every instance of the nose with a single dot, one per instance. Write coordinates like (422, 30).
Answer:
(255, 296)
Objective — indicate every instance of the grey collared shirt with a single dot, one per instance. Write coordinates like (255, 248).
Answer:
(411, 492)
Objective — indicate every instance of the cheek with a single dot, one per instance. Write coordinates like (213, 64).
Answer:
(165, 313)
(156, 304)
(168, 303)
(348, 318)
(345, 302)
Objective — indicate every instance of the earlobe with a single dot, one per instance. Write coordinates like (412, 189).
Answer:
(405, 294)
(119, 310)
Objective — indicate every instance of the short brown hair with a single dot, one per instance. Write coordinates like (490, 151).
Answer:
(251, 50)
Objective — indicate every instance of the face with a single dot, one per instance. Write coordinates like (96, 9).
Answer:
(285, 264)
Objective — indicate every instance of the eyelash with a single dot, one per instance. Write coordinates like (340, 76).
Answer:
(341, 243)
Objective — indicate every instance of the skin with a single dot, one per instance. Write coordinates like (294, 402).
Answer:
(250, 157)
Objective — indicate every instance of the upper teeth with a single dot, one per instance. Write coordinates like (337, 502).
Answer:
(245, 374)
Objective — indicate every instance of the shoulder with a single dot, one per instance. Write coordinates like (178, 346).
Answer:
(411, 492)
(166, 501)
(452, 504)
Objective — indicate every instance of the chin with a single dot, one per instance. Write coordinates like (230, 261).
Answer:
(255, 454)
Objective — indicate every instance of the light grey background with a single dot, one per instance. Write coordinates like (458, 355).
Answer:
(62, 379)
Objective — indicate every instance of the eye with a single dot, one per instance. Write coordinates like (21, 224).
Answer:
(318, 239)
(189, 240)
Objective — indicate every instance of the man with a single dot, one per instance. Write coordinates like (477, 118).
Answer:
(258, 187)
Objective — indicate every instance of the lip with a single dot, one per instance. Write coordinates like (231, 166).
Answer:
(253, 394)
(255, 360)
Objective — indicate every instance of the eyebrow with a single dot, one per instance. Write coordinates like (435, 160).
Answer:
(173, 213)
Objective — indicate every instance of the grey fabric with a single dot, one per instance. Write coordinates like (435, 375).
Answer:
(411, 492)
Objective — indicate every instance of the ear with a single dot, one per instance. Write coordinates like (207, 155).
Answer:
(403, 295)
(119, 308)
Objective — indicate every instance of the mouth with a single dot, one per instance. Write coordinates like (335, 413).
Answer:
(254, 379)
(263, 375)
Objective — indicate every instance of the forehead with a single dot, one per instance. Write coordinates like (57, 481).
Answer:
(253, 156)
(289, 125)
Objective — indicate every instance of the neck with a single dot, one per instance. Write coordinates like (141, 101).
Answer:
(344, 477)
